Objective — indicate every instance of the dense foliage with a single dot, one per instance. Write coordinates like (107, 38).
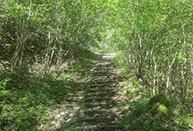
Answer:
(152, 38)
(157, 36)
(160, 44)
(156, 41)
(47, 31)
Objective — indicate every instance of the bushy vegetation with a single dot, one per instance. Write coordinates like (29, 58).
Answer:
(48, 32)
(155, 40)
(45, 43)
(160, 112)
(39, 40)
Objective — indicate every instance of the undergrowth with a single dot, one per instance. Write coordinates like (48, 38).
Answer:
(157, 113)
(28, 97)
(25, 96)
(145, 113)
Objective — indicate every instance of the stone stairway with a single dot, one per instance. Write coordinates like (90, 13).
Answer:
(96, 101)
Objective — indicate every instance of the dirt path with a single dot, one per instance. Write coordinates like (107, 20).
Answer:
(94, 106)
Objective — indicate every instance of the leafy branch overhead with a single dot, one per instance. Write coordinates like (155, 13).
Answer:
(50, 49)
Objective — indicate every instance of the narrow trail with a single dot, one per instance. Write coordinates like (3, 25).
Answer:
(96, 101)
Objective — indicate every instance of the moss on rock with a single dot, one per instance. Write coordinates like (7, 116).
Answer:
(159, 105)
(160, 98)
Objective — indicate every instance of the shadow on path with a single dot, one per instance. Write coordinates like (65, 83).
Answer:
(95, 101)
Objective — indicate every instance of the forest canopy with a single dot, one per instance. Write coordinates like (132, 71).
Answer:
(152, 39)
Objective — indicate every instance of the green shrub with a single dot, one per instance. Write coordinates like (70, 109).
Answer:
(160, 98)
(161, 106)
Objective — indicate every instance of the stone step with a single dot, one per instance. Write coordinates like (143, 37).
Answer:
(91, 105)
(107, 95)
(100, 65)
(102, 86)
(94, 100)
(102, 83)
(101, 70)
(110, 128)
(91, 94)
(97, 120)
(99, 100)
(95, 89)
(103, 64)
(103, 80)
(100, 128)
(99, 85)
(88, 98)
(102, 92)
(102, 75)
(105, 106)
(96, 110)
(100, 113)
(107, 90)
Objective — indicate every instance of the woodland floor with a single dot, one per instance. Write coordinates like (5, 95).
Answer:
(91, 94)
(95, 104)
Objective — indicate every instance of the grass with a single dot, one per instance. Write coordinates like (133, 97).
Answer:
(27, 99)
(25, 96)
